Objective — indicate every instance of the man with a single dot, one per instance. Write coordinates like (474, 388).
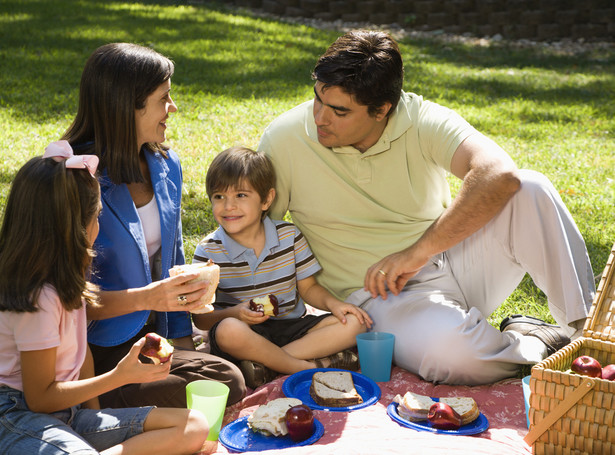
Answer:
(362, 170)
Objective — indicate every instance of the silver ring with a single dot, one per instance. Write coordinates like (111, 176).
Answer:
(181, 299)
(382, 272)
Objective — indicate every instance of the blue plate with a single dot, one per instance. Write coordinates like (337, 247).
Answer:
(238, 437)
(475, 427)
(298, 386)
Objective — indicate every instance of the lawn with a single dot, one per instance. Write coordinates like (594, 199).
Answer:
(236, 72)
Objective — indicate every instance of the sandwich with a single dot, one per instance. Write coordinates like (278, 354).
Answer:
(466, 407)
(334, 389)
(208, 272)
(415, 407)
(270, 419)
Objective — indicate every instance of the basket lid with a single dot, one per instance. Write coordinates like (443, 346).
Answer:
(600, 323)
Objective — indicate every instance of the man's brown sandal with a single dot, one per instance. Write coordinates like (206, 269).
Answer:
(344, 360)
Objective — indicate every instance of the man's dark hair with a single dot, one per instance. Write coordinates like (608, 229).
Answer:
(365, 64)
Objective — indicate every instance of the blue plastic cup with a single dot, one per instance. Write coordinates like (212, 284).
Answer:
(376, 354)
(526, 397)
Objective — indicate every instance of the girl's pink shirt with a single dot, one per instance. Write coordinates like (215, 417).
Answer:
(50, 327)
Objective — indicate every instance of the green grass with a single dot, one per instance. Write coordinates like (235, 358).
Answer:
(235, 73)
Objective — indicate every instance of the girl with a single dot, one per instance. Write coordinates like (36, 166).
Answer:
(124, 106)
(48, 389)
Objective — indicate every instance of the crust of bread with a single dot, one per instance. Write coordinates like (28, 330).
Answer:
(466, 407)
(334, 389)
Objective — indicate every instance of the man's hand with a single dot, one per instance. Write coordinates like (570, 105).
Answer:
(393, 272)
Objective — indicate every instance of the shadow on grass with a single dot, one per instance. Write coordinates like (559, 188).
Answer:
(225, 52)
(45, 46)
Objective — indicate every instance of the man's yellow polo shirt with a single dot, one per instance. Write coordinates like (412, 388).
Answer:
(355, 208)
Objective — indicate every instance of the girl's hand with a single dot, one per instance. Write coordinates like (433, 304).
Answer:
(341, 309)
(175, 293)
(248, 316)
(132, 370)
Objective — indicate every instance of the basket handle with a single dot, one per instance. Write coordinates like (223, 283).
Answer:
(569, 401)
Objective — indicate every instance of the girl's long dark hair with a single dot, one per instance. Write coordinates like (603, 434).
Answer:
(116, 81)
(43, 238)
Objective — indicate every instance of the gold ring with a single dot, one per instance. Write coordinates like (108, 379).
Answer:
(181, 299)
(382, 272)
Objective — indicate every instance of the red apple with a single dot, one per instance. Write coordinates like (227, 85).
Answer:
(608, 372)
(300, 422)
(443, 417)
(268, 305)
(587, 366)
(156, 348)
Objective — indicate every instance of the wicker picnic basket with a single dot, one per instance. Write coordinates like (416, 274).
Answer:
(570, 413)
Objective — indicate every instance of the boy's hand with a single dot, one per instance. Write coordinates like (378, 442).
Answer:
(250, 317)
(341, 309)
(132, 370)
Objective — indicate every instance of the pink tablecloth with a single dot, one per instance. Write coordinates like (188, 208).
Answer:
(371, 431)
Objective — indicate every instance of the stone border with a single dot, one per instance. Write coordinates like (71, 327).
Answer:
(535, 20)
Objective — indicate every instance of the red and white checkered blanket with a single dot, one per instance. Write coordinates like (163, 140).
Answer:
(371, 431)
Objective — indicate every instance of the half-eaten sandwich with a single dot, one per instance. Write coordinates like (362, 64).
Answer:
(334, 389)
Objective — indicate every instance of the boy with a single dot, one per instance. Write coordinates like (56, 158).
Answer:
(258, 257)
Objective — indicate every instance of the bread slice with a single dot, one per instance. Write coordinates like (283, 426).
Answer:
(334, 389)
(466, 407)
(269, 419)
(413, 407)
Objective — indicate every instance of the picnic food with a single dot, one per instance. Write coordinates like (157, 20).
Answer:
(156, 348)
(209, 272)
(299, 422)
(267, 304)
(270, 419)
(608, 372)
(334, 389)
(587, 366)
(415, 407)
(443, 417)
(466, 407)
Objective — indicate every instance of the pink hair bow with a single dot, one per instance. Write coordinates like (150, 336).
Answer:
(62, 151)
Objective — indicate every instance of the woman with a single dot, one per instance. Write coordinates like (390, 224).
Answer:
(124, 103)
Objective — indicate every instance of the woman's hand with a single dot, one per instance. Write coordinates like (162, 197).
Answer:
(131, 370)
(170, 294)
(175, 293)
